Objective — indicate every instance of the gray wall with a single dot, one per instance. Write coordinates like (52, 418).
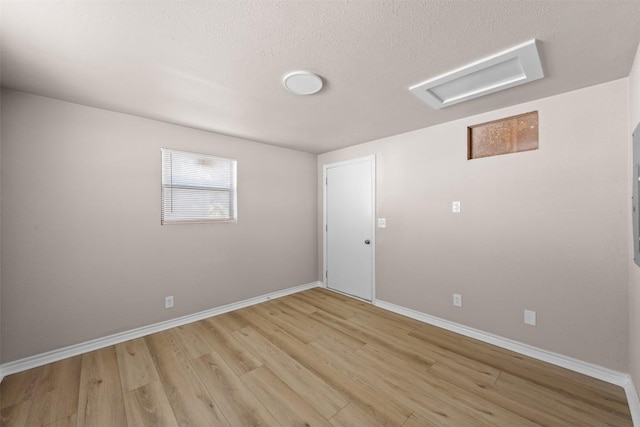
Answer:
(83, 251)
(634, 271)
(84, 256)
(545, 230)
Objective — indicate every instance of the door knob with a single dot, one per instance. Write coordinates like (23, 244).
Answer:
(366, 242)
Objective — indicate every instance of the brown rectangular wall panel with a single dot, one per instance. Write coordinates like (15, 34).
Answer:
(504, 136)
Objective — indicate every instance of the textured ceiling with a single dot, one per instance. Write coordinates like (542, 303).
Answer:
(218, 65)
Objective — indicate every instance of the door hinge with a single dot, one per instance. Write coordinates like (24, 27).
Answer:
(326, 227)
(326, 274)
(326, 181)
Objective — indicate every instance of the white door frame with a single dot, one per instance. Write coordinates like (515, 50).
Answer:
(372, 159)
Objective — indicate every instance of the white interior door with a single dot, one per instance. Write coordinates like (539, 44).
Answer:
(349, 232)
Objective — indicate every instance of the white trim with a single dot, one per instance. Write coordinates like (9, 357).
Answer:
(512, 67)
(324, 226)
(374, 220)
(76, 349)
(576, 365)
(371, 158)
(634, 402)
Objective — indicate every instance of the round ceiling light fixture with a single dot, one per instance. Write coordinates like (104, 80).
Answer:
(302, 82)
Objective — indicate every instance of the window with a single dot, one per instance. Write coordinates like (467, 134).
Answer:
(509, 135)
(197, 188)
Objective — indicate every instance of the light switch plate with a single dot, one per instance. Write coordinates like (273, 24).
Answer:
(382, 222)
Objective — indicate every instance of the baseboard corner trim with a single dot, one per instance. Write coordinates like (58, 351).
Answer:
(120, 337)
(576, 365)
(633, 400)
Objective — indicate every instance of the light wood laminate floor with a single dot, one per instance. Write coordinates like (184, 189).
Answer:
(315, 358)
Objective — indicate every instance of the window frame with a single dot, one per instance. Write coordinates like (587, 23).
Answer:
(233, 190)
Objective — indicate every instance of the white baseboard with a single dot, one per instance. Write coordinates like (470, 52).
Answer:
(76, 349)
(634, 402)
(576, 365)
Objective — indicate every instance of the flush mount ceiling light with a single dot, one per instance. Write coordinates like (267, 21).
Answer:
(302, 82)
(512, 67)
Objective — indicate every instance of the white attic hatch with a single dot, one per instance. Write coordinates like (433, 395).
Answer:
(512, 67)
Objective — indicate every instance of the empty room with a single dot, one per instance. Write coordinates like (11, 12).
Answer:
(319, 213)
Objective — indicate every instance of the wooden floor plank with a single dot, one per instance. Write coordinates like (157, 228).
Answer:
(316, 358)
(321, 396)
(148, 406)
(356, 390)
(486, 392)
(383, 407)
(65, 422)
(56, 396)
(230, 321)
(284, 403)
(100, 396)
(366, 310)
(425, 399)
(190, 401)
(235, 354)
(285, 321)
(135, 364)
(320, 329)
(191, 341)
(237, 403)
(299, 306)
(322, 302)
(417, 421)
(436, 337)
(351, 415)
(535, 367)
(573, 411)
(19, 387)
(366, 333)
(402, 388)
(15, 415)
(443, 398)
(483, 377)
(587, 389)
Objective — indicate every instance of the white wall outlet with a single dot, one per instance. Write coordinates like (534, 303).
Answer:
(168, 302)
(382, 222)
(457, 300)
(455, 206)
(530, 317)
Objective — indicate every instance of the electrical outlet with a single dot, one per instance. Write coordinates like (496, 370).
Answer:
(168, 302)
(530, 317)
(455, 206)
(457, 300)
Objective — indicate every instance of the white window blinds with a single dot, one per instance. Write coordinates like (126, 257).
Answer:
(197, 188)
